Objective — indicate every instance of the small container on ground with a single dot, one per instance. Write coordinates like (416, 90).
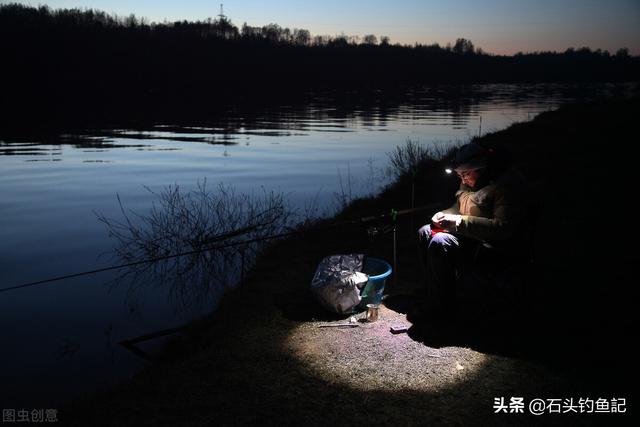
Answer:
(372, 312)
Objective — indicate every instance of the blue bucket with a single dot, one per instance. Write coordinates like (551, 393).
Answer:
(378, 271)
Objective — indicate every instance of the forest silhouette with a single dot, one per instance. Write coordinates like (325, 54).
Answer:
(86, 62)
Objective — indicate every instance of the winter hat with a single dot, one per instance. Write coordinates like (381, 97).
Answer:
(470, 157)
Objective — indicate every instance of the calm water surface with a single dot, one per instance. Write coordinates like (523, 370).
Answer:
(60, 339)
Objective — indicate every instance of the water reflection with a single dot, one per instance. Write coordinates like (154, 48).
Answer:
(329, 112)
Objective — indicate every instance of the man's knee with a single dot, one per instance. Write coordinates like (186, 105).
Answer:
(442, 243)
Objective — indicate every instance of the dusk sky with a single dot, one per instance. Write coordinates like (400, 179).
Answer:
(497, 26)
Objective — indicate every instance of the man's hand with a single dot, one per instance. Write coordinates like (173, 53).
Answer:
(446, 221)
(436, 218)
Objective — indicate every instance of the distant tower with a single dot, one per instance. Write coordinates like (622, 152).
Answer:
(221, 16)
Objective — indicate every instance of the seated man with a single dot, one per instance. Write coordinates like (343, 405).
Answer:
(486, 229)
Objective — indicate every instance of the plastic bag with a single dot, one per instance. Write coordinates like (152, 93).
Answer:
(337, 282)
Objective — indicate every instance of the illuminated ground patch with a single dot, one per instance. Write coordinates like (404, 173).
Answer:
(369, 357)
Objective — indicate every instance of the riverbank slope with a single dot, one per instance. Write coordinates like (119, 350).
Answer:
(263, 357)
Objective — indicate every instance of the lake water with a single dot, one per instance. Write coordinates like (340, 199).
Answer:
(60, 339)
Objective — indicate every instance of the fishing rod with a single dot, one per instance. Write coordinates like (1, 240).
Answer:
(393, 214)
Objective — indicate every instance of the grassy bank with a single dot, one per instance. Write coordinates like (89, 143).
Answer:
(263, 359)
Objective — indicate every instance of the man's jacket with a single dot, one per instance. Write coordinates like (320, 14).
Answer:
(500, 212)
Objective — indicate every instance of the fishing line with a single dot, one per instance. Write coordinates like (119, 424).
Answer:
(362, 220)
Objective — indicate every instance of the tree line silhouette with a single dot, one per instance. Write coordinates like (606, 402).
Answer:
(72, 60)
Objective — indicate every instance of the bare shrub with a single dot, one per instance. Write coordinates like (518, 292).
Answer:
(407, 158)
(208, 226)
